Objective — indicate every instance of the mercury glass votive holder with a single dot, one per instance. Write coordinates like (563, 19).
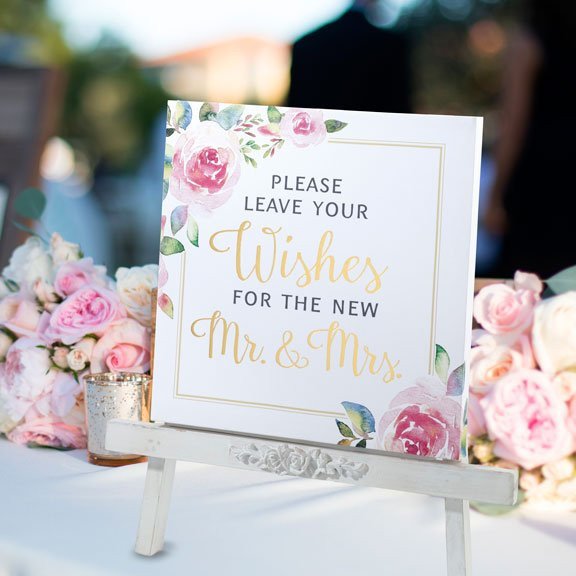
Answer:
(108, 396)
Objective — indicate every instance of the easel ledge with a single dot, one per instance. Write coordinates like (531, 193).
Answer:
(456, 482)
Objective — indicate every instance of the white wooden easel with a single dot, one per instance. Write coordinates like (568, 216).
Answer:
(456, 482)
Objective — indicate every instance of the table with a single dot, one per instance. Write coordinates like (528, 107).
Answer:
(61, 516)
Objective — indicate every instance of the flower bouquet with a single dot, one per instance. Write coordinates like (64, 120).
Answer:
(522, 406)
(60, 317)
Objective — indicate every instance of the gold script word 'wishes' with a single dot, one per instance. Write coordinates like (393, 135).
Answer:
(270, 259)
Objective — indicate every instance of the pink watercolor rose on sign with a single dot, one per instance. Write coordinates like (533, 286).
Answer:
(89, 310)
(20, 315)
(124, 347)
(73, 275)
(527, 419)
(48, 431)
(26, 376)
(502, 309)
(205, 167)
(422, 421)
(303, 127)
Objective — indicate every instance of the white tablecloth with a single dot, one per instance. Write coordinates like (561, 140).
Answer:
(61, 516)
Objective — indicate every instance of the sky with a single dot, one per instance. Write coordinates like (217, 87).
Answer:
(154, 28)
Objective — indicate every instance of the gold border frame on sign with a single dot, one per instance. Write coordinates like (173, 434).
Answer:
(438, 233)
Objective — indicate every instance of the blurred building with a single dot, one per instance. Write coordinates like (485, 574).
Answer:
(250, 70)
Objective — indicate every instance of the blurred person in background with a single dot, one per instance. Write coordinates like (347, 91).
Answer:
(351, 64)
(533, 196)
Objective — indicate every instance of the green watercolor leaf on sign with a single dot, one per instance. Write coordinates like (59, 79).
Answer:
(30, 203)
(361, 444)
(169, 132)
(334, 126)
(207, 112)
(192, 231)
(182, 115)
(564, 281)
(229, 117)
(345, 430)
(442, 363)
(178, 218)
(169, 246)
(456, 381)
(165, 304)
(165, 187)
(274, 115)
(362, 419)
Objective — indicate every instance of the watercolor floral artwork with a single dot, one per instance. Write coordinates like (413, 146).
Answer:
(206, 152)
(421, 420)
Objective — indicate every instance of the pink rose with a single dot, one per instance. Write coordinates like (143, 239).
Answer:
(303, 127)
(26, 377)
(89, 310)
(422, 421)
(20, 315)
(527, 419)
(125, 347)
(501, 309)
(73, 275)
(476, 420)
(48, 431)
(493, 360)
(205, 166)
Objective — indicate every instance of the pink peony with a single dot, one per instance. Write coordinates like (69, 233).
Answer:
(90, 310)
(303, 127)
(527, 419)
(26, 376)
(501, 309)
(48, 431)
(422, 421)
(476, 420)
(20, 315)
(73, 275)
(65, 392)
(124, 347)
(205, 166)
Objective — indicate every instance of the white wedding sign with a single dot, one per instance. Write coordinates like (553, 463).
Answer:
(316, 275)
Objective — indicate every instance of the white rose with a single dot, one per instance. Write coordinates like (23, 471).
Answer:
(529, 480)
(567, 490)
(565, 384)
(483, 452)
(28, 263)
(60, 357)
(5, 343)
(554, 333)
(63, 251)
(79, 357)
(134, 286)
(559, 470)
(6, 423)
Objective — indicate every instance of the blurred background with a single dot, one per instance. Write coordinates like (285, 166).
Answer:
(83, 90)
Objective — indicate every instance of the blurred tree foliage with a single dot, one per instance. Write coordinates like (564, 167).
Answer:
(30, 19)
(110, 105)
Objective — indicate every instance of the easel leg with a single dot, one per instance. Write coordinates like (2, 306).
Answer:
(458, 537)
(154, 513)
